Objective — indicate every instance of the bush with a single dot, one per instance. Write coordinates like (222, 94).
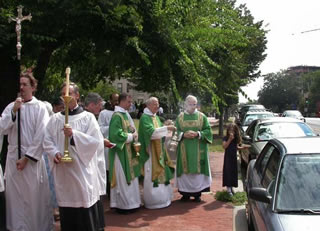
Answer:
(239, 198)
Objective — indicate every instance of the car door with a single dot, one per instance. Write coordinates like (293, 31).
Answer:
(247, 139)
(266, 170)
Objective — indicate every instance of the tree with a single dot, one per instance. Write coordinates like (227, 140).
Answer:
(280, 91)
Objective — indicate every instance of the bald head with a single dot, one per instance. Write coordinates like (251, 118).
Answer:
(153, 104)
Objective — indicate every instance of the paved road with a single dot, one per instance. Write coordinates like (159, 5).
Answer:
(314, 123)
(209, 214)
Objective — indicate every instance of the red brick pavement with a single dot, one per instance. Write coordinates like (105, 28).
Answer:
(209, 214)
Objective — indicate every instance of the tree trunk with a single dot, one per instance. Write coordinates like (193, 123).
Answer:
(221, 122)
(40, 71)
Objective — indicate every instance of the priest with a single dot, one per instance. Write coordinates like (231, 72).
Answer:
(124, 164)
(158, 168)
(193, 168)
(104, 122)
(27, 191)
(77, 182)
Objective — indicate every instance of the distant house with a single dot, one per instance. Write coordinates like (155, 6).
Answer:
(302, 69)
(123, 85)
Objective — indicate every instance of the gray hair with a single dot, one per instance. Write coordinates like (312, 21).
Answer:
(92, 98)
(189, 97)
(151, 100)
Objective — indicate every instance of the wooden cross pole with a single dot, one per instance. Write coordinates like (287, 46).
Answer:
(19, 19)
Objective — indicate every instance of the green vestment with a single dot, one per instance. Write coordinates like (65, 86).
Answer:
(118, 134)
(192, 154)
(162, 166)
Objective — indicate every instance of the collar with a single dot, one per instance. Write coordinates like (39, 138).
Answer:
(77, 110)
(195, 111)
(148, 112)
(119, 109)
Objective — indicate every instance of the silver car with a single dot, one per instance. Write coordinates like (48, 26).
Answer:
(283, 186)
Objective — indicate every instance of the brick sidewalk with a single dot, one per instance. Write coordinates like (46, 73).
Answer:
(206, 215)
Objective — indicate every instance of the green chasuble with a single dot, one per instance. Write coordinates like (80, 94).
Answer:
(118, 134)
(162, 166)
(192, 154)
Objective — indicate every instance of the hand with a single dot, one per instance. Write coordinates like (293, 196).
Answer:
(67, 130)
(17, 104)
(190, 134)
(57, 158)
(171, 128)
(231, 136)
(135, 136)
(21, 163)
(132, 129)
(106, 142)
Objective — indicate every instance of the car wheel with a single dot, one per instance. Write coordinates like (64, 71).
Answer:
(249, 220)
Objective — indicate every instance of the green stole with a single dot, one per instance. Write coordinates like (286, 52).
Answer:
(162, 166)
(192, 155)
(118, 134)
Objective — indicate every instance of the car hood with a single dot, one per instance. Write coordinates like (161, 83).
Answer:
(306, 222)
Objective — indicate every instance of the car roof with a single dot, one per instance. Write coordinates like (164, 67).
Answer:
(259, 112)
(300, 145)
(280, 119)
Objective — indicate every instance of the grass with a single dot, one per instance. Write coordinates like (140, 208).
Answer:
(239, 198)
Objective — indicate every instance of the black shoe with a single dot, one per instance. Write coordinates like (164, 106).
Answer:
(197, 199)
(185, 198)
(123, 211)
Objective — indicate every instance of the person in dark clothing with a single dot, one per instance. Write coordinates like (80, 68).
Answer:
(231, 143)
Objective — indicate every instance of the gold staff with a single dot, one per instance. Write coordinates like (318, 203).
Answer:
(66, 157)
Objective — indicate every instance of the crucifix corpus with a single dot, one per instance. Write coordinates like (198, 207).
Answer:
(19, 19)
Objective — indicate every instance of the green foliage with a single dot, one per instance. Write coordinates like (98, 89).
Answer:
(281, 91)
(206, 48)
(239, 198)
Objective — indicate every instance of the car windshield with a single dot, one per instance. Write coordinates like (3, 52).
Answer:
(299, 183)
(267, 131)
(293, 113)
(252, 117)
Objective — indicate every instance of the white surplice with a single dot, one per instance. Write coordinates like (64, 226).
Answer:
(27, 192)
(76, 183)
(161, 196)
(124, 196)
(104, 121)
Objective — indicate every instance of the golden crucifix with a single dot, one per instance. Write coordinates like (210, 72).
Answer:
(19, 19)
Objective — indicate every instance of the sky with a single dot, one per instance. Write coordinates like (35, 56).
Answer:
(288, 42)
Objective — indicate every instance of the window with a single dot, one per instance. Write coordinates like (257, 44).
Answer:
(271, 169)
(266, 153)
(119, 87)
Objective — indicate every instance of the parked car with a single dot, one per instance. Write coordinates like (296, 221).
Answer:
(294, 114)
(248, 107)
(253, 115)
(283, 186)
(261, 131)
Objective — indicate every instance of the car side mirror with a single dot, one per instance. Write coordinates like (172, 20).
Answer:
(260, 194)
(246, 138)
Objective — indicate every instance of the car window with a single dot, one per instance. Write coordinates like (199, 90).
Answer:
(249, 118)
(299, 182)
(265, 156)
(251, 128)
(267, 131)
(271, 168)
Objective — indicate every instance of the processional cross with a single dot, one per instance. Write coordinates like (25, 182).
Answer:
(19, 19)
